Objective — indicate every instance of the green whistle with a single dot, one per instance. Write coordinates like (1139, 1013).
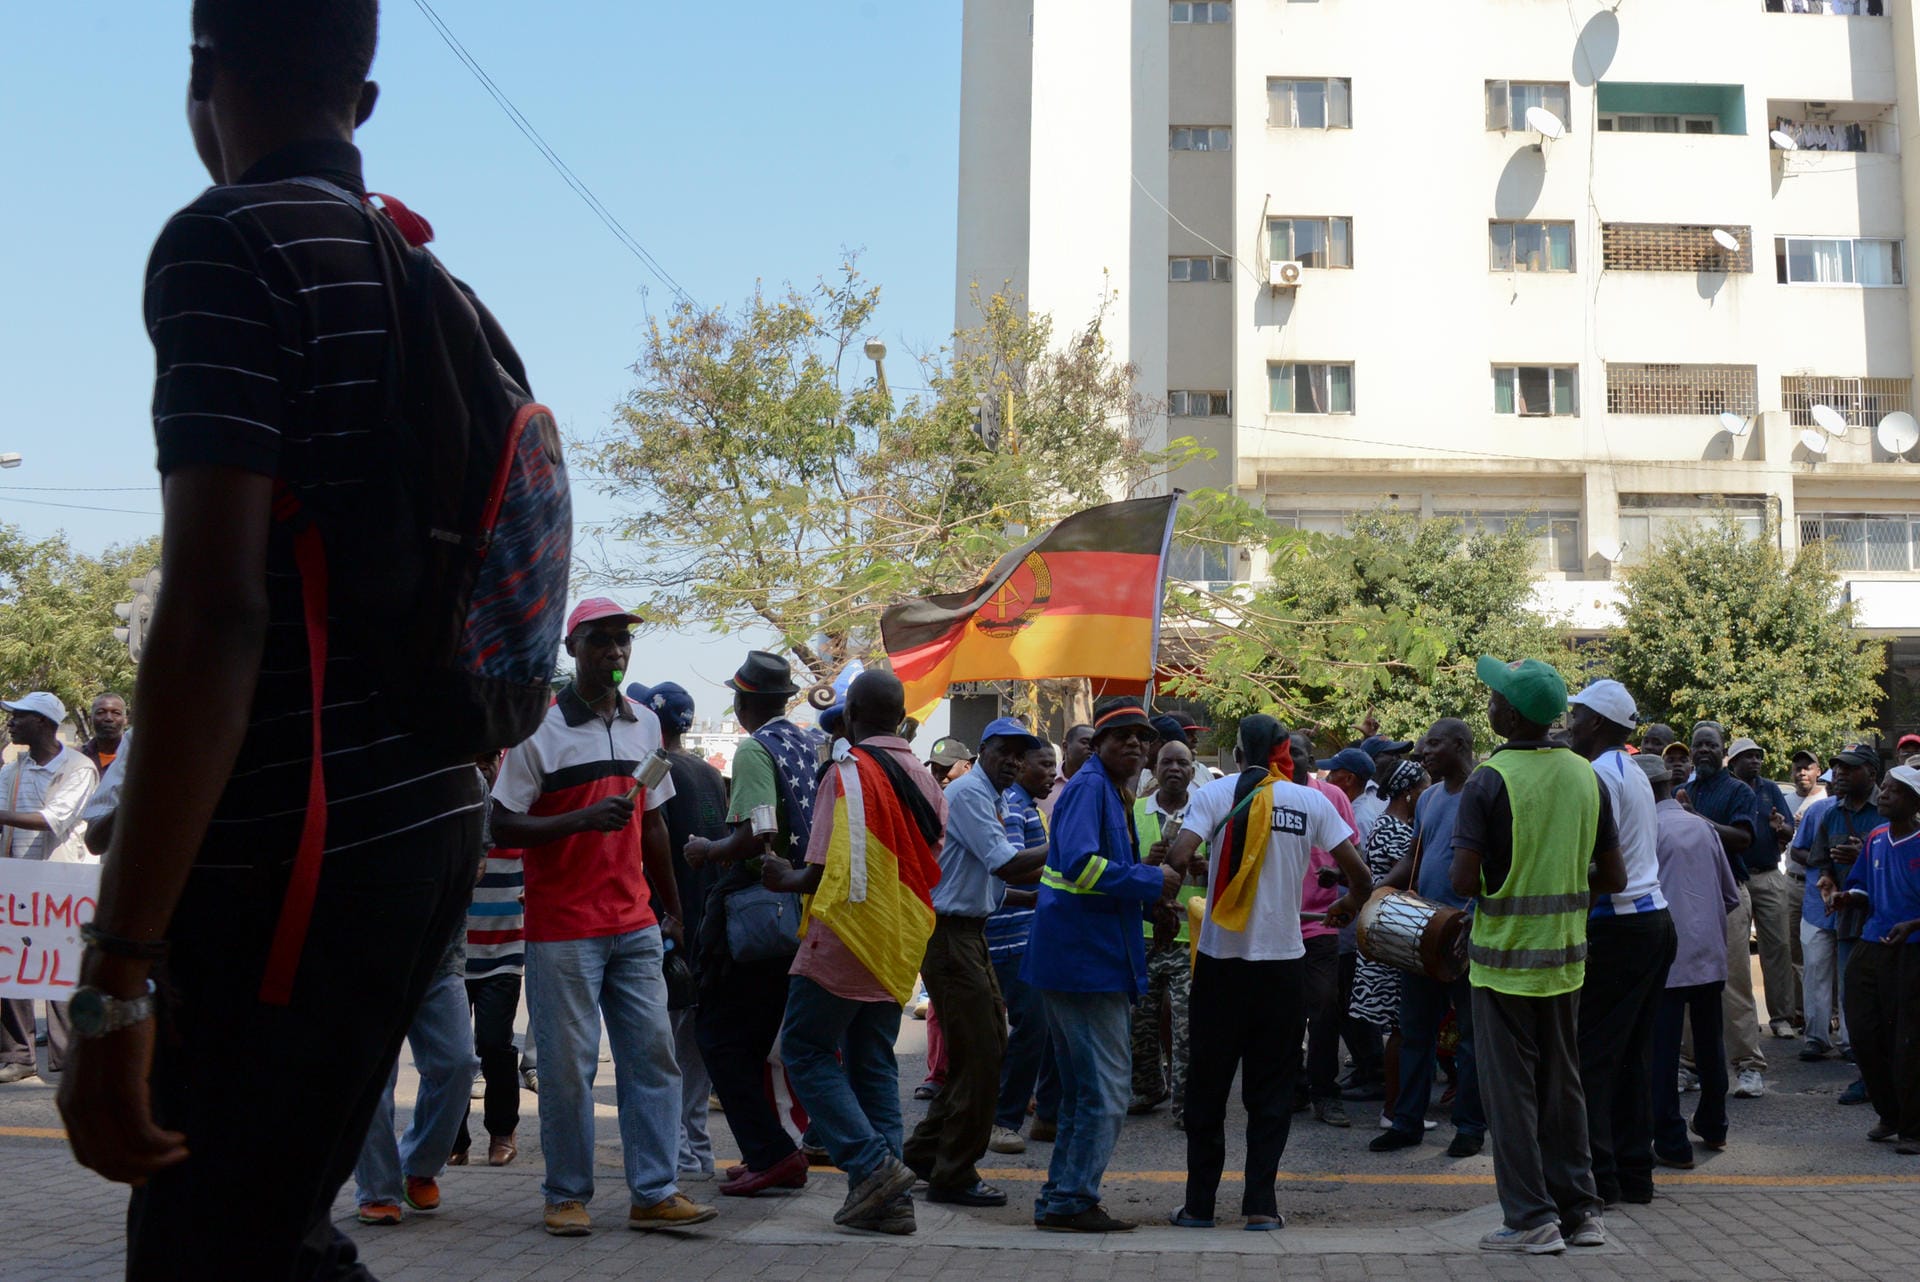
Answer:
(618, 676)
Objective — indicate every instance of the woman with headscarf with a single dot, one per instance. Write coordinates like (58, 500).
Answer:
(1248, 1007)
(1376, 985)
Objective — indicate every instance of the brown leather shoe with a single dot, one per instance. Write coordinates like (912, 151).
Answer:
(501, 1149)
(457, 1158)
(790, 1172)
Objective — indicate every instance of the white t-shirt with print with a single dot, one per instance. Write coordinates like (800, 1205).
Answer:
(1302, 820)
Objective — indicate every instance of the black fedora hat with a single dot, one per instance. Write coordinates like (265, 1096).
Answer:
(763, 673)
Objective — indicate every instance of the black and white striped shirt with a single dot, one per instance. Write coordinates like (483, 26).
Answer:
(269, 324)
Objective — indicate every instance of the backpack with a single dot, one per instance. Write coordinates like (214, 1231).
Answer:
(468, 518)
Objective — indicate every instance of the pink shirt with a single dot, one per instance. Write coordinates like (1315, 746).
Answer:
(1313, 897)
(823, 958)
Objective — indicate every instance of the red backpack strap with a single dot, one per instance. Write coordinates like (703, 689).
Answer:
(296, 910)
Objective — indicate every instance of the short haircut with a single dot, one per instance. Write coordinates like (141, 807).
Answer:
(308, 54)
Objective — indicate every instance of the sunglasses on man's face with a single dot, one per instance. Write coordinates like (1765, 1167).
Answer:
(1141, 735)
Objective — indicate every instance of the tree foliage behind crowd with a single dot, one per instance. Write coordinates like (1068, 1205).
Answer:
(1719, 626)
(765, 480)
(57, 620)
(1386, 619)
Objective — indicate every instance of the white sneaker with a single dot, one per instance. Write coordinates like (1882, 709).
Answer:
(1545, 1240)
(1751, 1086)
(1689, 1080)
(1007, 1140)
(1591, 1231)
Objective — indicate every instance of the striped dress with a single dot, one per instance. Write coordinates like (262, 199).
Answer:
(1376, 985)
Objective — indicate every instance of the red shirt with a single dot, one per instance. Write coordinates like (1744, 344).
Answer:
(591, 884)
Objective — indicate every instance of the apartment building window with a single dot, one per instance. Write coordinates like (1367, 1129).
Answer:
(1862, 401)
(1186, 404)
(1530, 247)
(1555, 536)
(1216, 12)
(1334, 523)
(1874, 542)
(1310, 104)
(1639, 122)
(1536, 391)
(1840, 260)
(1199, 268)
(1210, 564)
(1508, 101)
(1312, 242)
(1301, 388)
(1682, 389)
(1624, 107)
(1202, 138)
(1646, 520)
(1673, 247)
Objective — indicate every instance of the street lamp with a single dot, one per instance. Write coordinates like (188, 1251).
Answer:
(10, 460)
(877, 353)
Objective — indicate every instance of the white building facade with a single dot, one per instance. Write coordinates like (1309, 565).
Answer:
(1485, 319)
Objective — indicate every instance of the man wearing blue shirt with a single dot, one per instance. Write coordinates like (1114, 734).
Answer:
(1026, 1072)
(1730, 806)
(1819, 980)
(976, 862)
(1883, 976)
(1447, 753)
(1088, 956)
(1770, 889)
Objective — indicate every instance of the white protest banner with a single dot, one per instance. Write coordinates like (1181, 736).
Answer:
(42, 907)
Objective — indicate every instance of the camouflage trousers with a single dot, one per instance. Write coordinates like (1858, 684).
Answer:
(1156, 1073)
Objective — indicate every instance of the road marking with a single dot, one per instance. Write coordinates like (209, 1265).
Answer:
(34, 1132)
(1021, 1175)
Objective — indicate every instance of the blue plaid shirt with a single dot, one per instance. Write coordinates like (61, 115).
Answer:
(1008, 928)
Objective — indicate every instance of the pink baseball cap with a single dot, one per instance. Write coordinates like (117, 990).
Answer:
(595, 608)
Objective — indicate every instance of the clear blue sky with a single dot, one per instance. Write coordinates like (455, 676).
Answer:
(739, 142)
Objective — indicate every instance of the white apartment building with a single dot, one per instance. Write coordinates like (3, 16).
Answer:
(1624, 326)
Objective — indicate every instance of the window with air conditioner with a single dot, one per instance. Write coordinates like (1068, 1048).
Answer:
(1508, 101)
(1199, 268)
(1838, 260)
(1191, 404)
(1529, 246)
(1202, 138)
(1312, 242)
(1309, 388)
(1310, 104)
(1536, 391)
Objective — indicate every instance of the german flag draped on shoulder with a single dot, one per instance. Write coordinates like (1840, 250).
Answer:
(876, 892)
(1081, 600)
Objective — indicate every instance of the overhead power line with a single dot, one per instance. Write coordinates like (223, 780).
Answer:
(560, 167)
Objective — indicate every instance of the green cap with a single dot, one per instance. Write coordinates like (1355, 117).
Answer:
(1535, 689)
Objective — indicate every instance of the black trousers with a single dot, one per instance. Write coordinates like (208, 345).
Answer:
(1361, 1036)
(1883, 1019)
(229, 1071)
(495, 1000)
(1701, 1005)
(953, 1136)
(1323, 1010)
(737, 1025)
(1249, 1016)
(1627, 961)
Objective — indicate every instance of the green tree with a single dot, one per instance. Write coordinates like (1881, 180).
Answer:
(765, 479)
(1722, 627)
(1386, 620)
(57, 620)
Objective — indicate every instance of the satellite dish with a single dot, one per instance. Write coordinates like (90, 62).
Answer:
(1898, 432)
(1784, 141)
(1726, 240)
(1816, 442)
(1544, 123)
(1607, 549)
(1831, 421)
(1734, 424)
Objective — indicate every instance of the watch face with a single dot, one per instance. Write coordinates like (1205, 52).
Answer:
(87, 1011)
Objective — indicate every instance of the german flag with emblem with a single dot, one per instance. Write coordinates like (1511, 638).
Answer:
(1082, 600)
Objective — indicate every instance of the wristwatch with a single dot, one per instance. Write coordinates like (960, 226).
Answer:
(93, 1013)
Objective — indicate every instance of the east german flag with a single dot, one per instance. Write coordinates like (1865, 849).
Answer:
(1082, 600)
(876, 892)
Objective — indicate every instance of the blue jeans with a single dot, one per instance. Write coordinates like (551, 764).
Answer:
(1028, 1071)
(574, 983)
(1423, 1004)
(1093, 1050)
(442, 1041)
(839, 1056)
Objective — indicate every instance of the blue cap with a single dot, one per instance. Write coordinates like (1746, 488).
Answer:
(833, 720)
(1376, 744)
(1008, 728)
(672, 704)
(1350, 759)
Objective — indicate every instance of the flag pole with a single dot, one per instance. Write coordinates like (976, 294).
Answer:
(1160, 598)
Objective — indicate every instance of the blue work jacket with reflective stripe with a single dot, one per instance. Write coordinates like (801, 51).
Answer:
(1094, 891)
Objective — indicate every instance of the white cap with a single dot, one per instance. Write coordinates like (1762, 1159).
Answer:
(1610, 699)
(1739, 747)
(41, 702)
(1908, 776)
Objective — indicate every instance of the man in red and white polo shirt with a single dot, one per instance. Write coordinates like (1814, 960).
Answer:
(570, 797)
